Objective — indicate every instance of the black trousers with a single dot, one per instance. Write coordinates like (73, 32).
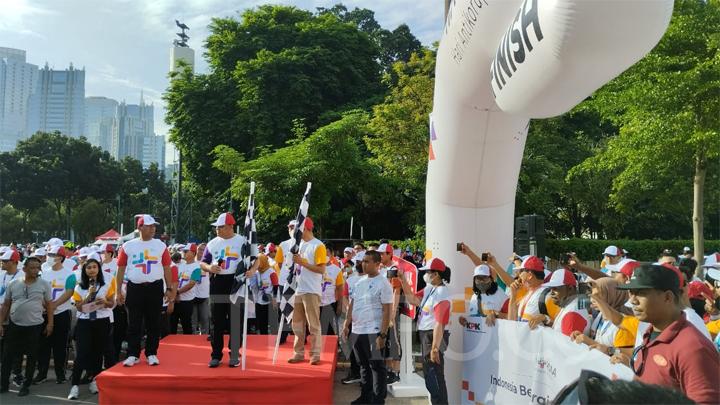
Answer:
(144, 303)
(90, 340)
(19, 341)
(183, 314)
(110, 356)
(17, 366)
(262, 318)
(434, 373)
(119, 330)
(226, 316)
(57, 344)
(373, 373)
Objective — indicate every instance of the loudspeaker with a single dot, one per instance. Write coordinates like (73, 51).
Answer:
(530, 235)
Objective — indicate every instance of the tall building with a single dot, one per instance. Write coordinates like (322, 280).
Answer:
(133, 134)
(17, 83)
(99, 116)
(59, 102)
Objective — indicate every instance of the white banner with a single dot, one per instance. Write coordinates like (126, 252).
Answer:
(529, 367)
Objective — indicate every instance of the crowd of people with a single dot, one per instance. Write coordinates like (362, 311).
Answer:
(111, 303)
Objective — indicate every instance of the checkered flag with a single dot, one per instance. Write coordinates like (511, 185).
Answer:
(248, 251)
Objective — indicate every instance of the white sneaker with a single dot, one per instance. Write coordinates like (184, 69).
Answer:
(153, 360)
(74, 392)
(131, 361)
(93, 387)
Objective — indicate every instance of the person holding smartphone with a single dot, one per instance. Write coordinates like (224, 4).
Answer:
(369, 315)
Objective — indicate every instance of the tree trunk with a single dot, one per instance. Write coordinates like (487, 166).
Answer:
(698, 214)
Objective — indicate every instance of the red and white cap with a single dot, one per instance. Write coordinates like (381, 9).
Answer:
(713, 273)
(482, 270)
(699, 290)
(292, 223)
(106, 247)
(349, 250)
(58, 250)
(270, 248)
(434, 264)
(532, 263)
(613, 251)
(559, 278)
(309, 225)
(385, 248)
(145, 220)
(627, 267)
(712, 261)
(9, 254)
(190, 247)
(225, 218)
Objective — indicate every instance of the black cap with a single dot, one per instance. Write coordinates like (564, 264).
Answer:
(653, 276)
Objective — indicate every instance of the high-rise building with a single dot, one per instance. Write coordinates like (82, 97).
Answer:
(59, 102)
(17, 83)
(133, 134)
(99, 116)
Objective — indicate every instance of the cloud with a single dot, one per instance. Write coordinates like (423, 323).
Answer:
(17, 14)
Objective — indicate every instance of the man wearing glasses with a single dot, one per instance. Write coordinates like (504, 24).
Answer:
(673, 353)
(25, 301)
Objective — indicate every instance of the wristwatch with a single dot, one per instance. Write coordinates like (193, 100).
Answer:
(611, 351)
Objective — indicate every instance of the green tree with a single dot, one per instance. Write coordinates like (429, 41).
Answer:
(668, 109)
(344, 183)
(91, 218)
(398, 139)
(273, 66)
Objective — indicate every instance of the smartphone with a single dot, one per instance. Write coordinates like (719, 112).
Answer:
(459, 246)
(392, 272)
(484, 257)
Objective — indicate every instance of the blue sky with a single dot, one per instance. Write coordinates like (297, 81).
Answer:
(124, 45)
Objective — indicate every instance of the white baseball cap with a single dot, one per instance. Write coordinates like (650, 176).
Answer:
(612, 251)
(712, 261)
(39, 252)
(482, 270)
(145, 219)
(54, 242)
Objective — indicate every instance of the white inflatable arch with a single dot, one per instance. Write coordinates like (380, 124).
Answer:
(500, 63)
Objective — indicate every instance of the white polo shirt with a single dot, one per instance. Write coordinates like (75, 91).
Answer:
(368, 296)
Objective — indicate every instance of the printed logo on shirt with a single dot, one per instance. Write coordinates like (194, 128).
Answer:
(227, 256)
(57, 289)
(144, 261)
(183, 280)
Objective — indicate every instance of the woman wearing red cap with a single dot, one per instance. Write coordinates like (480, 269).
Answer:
(433, 324)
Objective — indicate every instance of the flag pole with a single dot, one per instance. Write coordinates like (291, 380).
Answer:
(281, 326)
(245, 288)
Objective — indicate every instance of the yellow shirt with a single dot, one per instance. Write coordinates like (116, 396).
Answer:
(713, 327)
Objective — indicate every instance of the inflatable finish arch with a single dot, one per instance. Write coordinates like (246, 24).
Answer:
(500, 63)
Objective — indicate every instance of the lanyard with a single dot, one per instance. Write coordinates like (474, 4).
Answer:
(426, 297)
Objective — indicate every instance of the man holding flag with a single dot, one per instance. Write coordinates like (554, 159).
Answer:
(309, 269)
(221, 259)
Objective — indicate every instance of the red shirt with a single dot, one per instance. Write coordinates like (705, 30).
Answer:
(683, 359)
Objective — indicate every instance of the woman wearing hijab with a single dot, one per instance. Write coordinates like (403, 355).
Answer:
(488, 299)
(604, 335)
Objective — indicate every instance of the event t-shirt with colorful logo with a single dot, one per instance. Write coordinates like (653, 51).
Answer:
(332, 279)
(188, 272)
(202, 287)
(144, 260)
(107, 290)
(492, 302)
(434, 307)
(60, 281)
(225, 250)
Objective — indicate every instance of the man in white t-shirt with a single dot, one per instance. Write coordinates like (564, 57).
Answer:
(283, 258)
(189, 275)
(221, 259)
(201, 307)
(149, 281)
(369, 315)
(332, 288)
(310, 264)
(563, 291)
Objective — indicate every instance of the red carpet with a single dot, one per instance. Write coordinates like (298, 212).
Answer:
(183, 376)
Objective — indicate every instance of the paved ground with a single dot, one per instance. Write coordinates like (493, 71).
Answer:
(51, 393)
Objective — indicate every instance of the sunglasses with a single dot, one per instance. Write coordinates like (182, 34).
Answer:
(640, 352)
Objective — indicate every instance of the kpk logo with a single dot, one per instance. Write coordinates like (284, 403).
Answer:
(227, 256)
(144, 261)
(544, 365)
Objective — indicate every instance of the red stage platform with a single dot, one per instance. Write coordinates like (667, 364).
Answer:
(183, 376)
